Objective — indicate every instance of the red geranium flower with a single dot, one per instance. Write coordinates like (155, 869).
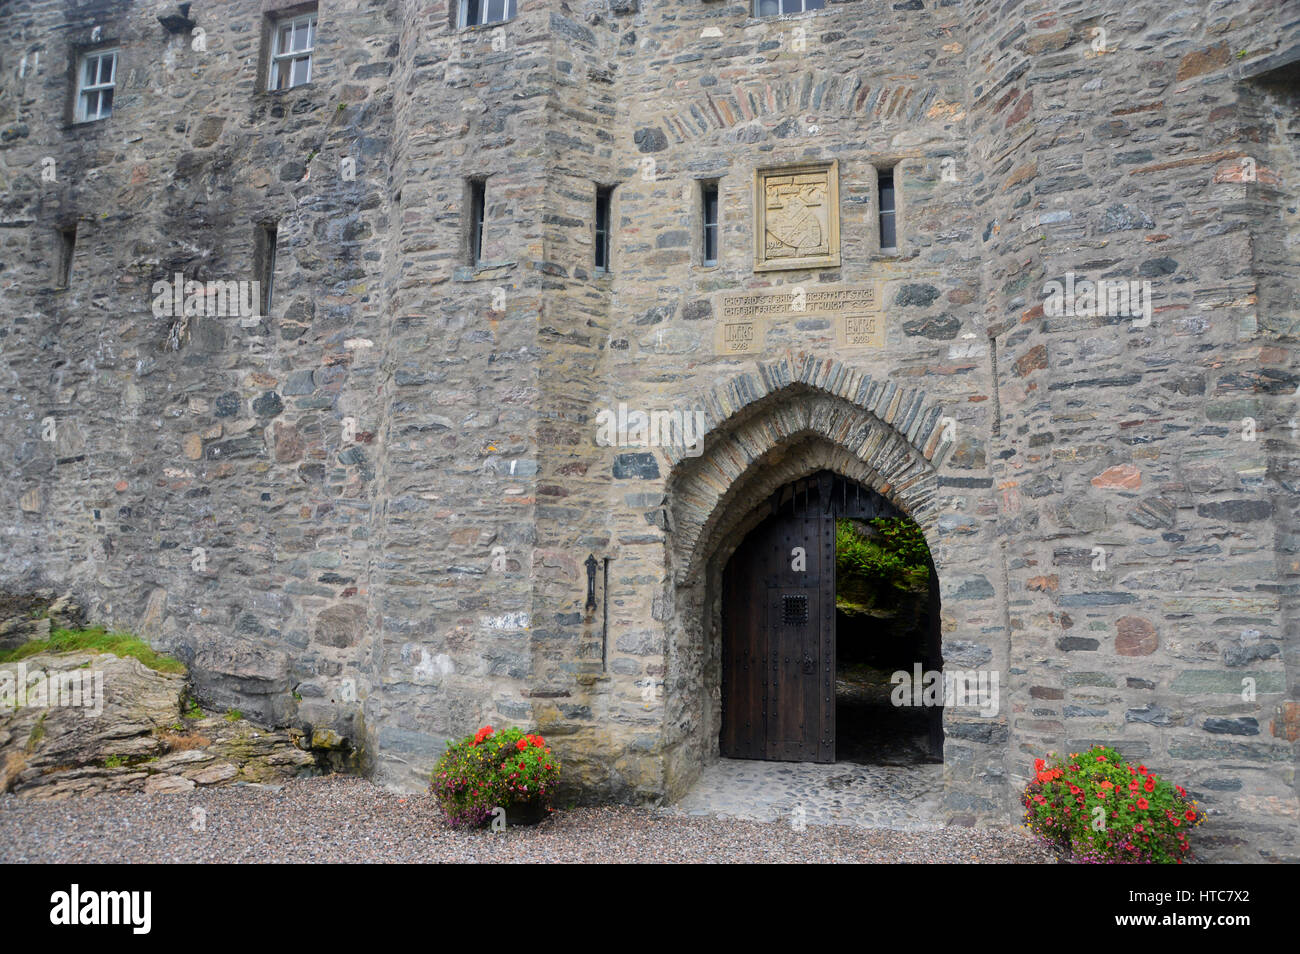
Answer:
(1142, 803)
(1150, 786)
(1039, 765)
(1189, 815)
(521, 744)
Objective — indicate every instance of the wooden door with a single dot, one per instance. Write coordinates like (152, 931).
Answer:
(778, 667)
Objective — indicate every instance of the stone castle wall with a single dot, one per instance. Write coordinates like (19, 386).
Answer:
(394, 478)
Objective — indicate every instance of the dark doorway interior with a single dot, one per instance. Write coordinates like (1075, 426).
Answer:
(886, 622)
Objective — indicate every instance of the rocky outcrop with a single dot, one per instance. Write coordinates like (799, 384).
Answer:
(29, 616)
(86, 723)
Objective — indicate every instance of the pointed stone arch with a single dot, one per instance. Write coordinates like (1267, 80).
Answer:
(790, 417)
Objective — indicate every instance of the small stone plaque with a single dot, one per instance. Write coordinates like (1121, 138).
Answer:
(740, 336)
(797, 216)
(860, 331)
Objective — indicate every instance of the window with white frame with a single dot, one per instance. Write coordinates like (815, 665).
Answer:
(886, 200)
(478, 12)
(292, 42)
(709, 220)
(776, 8)
(96, 80)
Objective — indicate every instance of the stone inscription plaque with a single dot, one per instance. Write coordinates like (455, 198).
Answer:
(741, 336)
(860, 331)
(743, 316)
(796, 301)
(797, 217)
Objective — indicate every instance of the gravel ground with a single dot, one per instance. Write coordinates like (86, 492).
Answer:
(342, 819)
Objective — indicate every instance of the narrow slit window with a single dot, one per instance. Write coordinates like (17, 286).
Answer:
(292, 43)
(477, 211)
(885, 191)
(67, 246)
(709, 215)
(603, 226)
(479, 12)
(96, 81)
(264, 251)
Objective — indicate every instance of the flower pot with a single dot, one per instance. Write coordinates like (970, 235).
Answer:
(525, 813)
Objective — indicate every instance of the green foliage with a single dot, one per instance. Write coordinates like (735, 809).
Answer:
(114, 761)
(881, 564)
(233, 715)
(193, 712)
(1103, 810)
(37, 734)
(96, 640)
(493, 769)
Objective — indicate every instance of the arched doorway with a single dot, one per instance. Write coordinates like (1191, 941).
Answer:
(806, 660)
(791, 418)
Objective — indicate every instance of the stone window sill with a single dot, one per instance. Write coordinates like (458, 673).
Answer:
(752, 20)
(485, 26)
(483, 271)
(86, 126)
(304, 88)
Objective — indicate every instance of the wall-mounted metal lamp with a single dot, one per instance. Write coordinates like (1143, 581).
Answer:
(591, 581)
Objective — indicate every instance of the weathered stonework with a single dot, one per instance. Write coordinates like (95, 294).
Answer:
(367, 512)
